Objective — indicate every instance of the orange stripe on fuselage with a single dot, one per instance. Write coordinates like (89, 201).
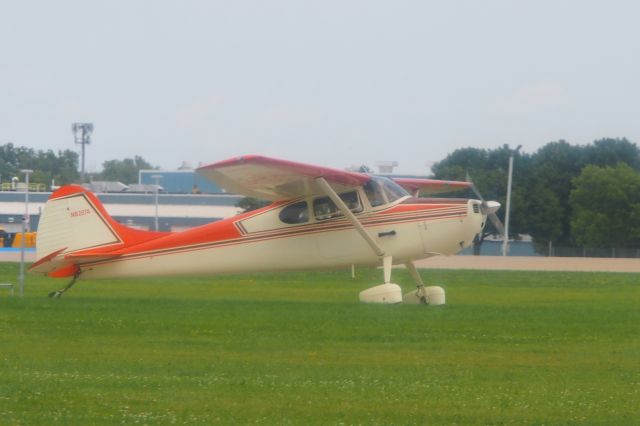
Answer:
(222, 230)
(226, 233)
(422, 204)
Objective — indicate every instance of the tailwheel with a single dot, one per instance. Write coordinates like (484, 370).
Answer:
(58, 293)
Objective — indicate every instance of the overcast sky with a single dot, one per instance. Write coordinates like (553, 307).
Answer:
(335, 83)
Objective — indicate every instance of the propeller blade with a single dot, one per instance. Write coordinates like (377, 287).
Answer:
(496, 223)
(489, 208)
(475, 190)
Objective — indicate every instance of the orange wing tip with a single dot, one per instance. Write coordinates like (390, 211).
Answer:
(234, 161)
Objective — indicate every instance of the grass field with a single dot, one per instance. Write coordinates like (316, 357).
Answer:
(508, 348)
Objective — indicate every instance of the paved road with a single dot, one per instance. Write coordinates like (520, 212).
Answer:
(514, 263)
(7, 255)
(534, 263)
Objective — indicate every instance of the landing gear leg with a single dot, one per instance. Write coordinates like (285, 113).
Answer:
(58, 293)
(387, 263)
(432, 295)
(420, 292)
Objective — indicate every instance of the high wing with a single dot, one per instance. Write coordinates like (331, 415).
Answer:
(274, 179)
(431, 186)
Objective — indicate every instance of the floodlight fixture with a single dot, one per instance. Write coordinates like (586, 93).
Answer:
(82, 136)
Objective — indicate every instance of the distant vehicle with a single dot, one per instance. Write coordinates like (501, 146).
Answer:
(105, 186)
(144, 188)
(319, 218)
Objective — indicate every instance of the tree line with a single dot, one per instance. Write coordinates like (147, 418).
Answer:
(570, 195)
(61, 167)
(47, 166)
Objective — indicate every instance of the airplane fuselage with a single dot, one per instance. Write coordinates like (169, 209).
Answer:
(274, 239)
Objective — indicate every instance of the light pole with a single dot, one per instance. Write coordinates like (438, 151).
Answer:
(505, 243)
(156, 179)
(82, 136)
(25, 224)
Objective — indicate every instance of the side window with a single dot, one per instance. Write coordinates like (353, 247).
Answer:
(324, 208)
(295, 213)
(352, 201)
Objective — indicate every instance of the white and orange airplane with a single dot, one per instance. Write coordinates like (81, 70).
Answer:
(319, 218)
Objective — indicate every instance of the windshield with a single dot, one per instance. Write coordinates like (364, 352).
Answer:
(381, 190)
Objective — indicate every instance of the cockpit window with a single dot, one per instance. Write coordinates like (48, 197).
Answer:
(380, 190)
(393, 190)
(352, 201)
(324, 208)
(374, 193)
(295, 213)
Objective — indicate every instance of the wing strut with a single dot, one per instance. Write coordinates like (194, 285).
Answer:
(349, 215)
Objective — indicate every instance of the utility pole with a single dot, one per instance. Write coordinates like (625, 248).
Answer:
(25, 225)
(156, 179)
(505, 243)
(82, 136)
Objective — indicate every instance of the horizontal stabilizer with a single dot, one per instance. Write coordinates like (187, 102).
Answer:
(55, 265)
(89, 257)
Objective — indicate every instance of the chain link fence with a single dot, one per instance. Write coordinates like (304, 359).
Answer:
(526, 248)
(593, 252)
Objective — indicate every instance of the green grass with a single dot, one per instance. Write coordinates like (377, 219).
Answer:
(508, 348)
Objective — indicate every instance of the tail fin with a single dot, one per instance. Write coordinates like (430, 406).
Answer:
(74, 224)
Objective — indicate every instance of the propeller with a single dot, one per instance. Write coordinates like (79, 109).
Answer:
(488, 208)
